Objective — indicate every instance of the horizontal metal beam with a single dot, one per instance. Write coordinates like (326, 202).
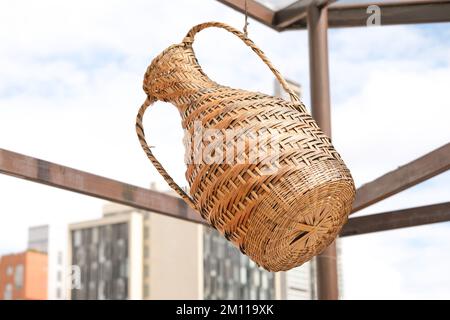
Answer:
(397, 219)
(296, 12)
(402, 178)
(392, 13)
(55, 175)
(341, 15)
(255, 10)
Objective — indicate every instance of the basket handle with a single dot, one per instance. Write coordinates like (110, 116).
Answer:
(141, 135)
(189, 39)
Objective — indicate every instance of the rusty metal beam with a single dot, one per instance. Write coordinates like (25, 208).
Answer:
(397, 219)
(55, 175)
(404, 177)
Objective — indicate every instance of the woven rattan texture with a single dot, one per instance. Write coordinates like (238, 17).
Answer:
(280, 219)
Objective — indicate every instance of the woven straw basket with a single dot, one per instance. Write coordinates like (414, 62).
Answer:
(280, 213)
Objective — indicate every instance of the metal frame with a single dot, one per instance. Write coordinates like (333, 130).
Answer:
(318, 16)
(411, 217)
(342, 15)
(327, 282)
(66, 178)
(55, 175)
(404, 177)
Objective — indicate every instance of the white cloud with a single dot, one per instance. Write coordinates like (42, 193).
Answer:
(407, 264)
(71, 84)
(397, 116)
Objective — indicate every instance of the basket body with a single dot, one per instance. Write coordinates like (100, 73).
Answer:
(280, 209)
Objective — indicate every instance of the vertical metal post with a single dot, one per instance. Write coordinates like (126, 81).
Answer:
(327, 279)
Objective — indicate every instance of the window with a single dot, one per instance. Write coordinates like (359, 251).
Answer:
(18, 276)
(243, 275)
(256, 275)
(123, 268)
(80, 256)
(121, 249)
(107, 249)
(95, 235)
(108, 232)
(263, 295)
(102, 253)
(206, 245)
(93, 251)
(59, 276)
(265, 281)
(146, 291)
(146, 271)
(106, 271)
(102, 290)
(9, 271)
(253, 294)
(120, 289)
(146, 233)
(60, 258)
(58, 293)
(77, 238)
(92, 290)
(7, 294)
(123, 231)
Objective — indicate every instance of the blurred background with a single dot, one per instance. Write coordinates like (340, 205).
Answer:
(70, 86)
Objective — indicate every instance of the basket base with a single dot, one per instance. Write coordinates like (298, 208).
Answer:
(289, 227)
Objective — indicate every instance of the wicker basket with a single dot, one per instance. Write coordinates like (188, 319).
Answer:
(283, 208)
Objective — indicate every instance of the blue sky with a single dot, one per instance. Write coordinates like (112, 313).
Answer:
(71, 84)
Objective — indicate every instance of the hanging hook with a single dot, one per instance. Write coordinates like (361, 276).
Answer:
(246, 19)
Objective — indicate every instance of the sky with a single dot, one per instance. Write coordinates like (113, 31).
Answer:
(71, 84)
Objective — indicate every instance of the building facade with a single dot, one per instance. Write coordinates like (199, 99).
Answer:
(173, 266)
(301, 283)
(52, 240)
(171, 259)
(105, 257)
(298, 283)
(38, 238)
(23, 276)
(229, 274)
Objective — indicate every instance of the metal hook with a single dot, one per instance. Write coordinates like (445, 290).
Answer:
(246, 19)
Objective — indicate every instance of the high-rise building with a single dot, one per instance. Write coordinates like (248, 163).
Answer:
(173, 266)
(134, 254)
(106, 256)
(23, 276)
(301, 283)
(38, 238)
(229, 274)
(52, 240)
(298, 283)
